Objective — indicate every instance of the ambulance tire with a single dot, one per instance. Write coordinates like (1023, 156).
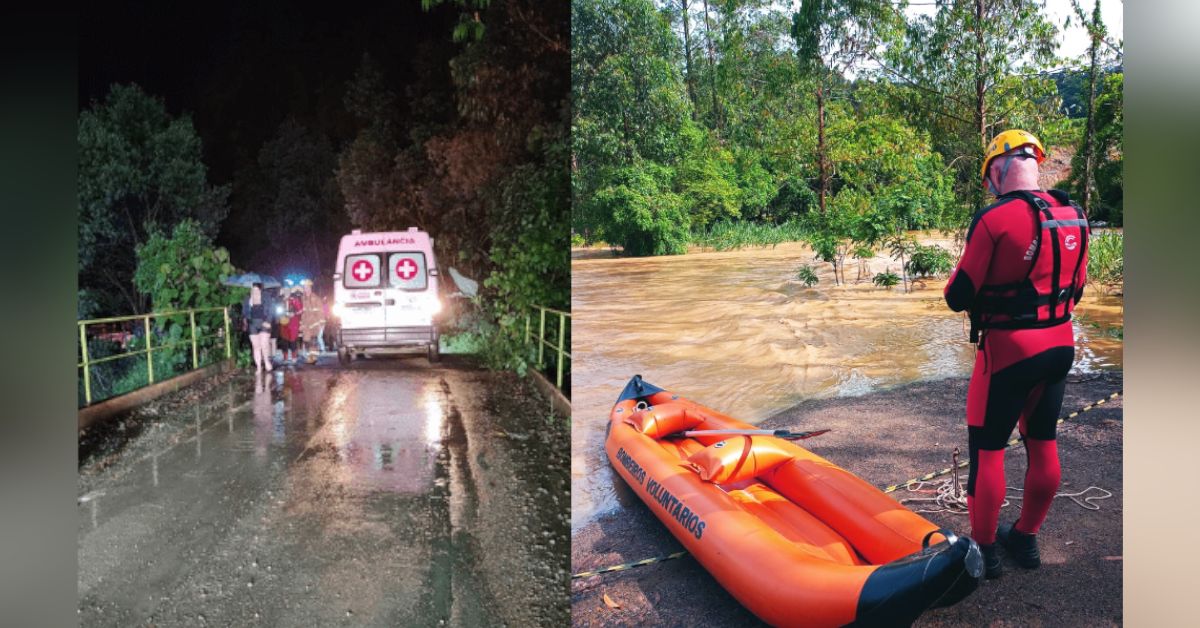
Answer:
(343, 356)
(435, 355)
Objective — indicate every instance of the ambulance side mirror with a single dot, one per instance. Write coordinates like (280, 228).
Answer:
(337, 276)
(433, 272)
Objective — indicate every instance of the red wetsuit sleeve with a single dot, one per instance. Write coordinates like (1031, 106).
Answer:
(972, 269)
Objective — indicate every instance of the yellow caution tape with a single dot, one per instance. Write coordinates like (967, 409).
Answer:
(636, 563)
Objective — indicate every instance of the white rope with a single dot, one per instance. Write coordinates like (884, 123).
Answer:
(950, 497)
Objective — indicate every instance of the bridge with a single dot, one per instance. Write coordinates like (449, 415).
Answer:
(388, 492)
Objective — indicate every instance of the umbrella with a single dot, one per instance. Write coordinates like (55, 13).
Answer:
(249, 279)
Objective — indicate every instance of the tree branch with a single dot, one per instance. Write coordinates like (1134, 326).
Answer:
(911, 82)
(555, 45)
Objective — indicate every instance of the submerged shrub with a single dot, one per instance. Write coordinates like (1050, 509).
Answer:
(928, 261)
(886, 279)
(807, 275)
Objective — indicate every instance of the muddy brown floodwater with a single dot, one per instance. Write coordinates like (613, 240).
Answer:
(739, 332)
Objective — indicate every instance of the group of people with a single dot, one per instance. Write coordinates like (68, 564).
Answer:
(292, 322)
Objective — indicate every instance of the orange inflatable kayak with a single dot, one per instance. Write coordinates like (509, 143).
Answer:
(796, 539)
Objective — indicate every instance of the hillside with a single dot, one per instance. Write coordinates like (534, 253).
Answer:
(1057, 166)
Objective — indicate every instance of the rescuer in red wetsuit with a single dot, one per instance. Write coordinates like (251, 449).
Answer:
(1022, 272)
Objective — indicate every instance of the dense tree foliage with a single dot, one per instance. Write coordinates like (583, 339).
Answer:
(140, 173)
(1108, 177)
(842, 116)
(291, 205)
(969, 71)
(480, 161)
(183, 270)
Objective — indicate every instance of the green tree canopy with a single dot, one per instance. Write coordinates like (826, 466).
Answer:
(1110, 129)
(730, 111)
(184, 270)
(296, 202)
(968, 71)
(140, 172)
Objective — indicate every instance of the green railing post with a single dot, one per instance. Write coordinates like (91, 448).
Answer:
(541, 336)
(228, 343)
(195, 349)
(87, 362)
(561, 329)
(87, 376)
(526, 327)
(149, 356)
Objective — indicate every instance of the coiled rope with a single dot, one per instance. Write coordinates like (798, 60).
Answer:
(952, 499)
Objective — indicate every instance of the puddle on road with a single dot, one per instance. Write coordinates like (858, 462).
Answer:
(738, 331)
(379, 432)
(343, 466)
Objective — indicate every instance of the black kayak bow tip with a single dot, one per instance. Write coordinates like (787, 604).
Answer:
(636, 388)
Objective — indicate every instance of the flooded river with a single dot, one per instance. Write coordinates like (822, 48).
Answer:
(737, 331)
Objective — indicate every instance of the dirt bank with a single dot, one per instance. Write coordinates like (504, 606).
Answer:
(889, 437)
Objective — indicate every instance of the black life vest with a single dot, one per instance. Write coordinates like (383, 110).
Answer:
(1047, 295)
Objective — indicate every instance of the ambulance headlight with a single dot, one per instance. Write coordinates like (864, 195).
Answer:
(338, 310)
(279, 310)
(433, 306)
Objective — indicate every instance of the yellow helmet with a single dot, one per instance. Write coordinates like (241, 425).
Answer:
(1008, 140)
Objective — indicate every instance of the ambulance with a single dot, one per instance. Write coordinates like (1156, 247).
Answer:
(385, 293)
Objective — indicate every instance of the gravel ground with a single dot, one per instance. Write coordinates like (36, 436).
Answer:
(889, 437)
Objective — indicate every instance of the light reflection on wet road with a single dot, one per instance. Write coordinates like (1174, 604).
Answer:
(332, 497)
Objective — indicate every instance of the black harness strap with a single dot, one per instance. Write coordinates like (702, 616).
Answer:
(996, 303)
(1045, 220)
(1054, 287)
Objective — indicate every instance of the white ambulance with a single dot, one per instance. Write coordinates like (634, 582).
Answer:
(385, 293)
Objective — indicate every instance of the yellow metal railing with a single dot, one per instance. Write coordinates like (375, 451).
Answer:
(559, 348)
(150, 347)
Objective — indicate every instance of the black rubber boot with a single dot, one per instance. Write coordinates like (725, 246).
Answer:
(1022, 547)
(991, 561)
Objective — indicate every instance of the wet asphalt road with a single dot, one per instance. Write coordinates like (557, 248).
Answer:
(390, 493)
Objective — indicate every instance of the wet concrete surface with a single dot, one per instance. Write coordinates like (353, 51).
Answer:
(889, 437)
(388, 493)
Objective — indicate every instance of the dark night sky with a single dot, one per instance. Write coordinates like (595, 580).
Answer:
(241, 68)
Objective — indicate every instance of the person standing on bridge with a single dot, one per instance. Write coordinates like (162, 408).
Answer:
(289, 325)
(313, 321)
(258, 314)
(1022, 272)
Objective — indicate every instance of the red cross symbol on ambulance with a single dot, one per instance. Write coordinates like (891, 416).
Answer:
(406, 269)
(362, 270)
